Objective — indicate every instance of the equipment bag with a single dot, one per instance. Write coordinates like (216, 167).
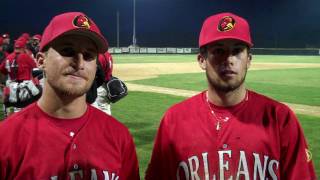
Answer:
(21, 94)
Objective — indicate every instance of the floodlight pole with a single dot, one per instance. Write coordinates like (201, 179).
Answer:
(118, 34)
(134, 40)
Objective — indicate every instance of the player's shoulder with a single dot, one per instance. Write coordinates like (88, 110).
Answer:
(103, 120)
(11, 56)
(24, 56)
(186, 106)
(263, 101)
(18, 122)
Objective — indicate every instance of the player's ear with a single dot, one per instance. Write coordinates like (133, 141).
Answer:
(202, 61)
(40, 57)
(249, 60)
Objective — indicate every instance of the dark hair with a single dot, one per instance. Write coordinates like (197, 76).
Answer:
(203, 51)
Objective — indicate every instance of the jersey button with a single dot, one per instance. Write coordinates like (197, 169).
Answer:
(71, 133)
(74, 146)
(225, 146)
(75, 166)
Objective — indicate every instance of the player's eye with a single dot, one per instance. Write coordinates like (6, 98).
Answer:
(89, 56)
(67, 52)
(219, 52)
(236, 51)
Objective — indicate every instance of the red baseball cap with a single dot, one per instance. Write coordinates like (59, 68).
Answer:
(19, 44)
(73, 23)
(22, 38)
(224, 26)
(25, 35)
(36, 36)
(5, 35)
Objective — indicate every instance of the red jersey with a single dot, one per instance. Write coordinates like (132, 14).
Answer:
(33, 147)
(106, 62)
(258, 138)
(22, 62)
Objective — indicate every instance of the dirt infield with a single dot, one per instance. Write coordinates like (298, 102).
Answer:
(298, 108)
(135, 71)
(138, 71)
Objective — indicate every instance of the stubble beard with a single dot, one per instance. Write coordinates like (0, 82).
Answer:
(68, 91)
(227, 87)
(72, 92)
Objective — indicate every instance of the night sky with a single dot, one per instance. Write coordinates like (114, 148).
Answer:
(174, 23)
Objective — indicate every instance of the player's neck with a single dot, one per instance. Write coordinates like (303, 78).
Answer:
(226, 99)
(62, 107)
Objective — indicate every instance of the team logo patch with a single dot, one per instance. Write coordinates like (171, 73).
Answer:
(226, 24)
(309, 155)
(82, 21)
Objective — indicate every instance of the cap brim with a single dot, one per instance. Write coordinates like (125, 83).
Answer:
(100, 41)
(229, 37)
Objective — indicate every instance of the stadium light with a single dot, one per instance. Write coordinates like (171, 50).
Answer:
(118, 28)
(134, 39)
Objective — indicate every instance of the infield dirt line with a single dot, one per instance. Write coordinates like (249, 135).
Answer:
(136, 71)
(297, 108)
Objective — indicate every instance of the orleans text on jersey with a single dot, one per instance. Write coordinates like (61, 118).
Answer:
(258, 138)
(190, 168)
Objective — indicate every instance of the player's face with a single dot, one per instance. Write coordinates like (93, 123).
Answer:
(70, 65)
(226, 64)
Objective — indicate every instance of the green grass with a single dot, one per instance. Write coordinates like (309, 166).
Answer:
(153, 58)
(299, 86)
(286, 59)
(142, 112)
(166, 58)
(310, 125)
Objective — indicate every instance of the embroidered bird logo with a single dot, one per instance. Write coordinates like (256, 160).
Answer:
(82, 21)
(226, 24)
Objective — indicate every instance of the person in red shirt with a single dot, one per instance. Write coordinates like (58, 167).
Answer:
(228, 131)
(7, 45)
(61, 136)
(106, 89)
(18, 65)
(106, 65)
(25, 38)
(33, 44)
(3, 54)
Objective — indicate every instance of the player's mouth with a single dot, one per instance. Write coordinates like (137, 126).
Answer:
(76, 75)
(227, 73)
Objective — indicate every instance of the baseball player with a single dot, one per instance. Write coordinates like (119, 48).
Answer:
(3, 54)
(18, 66)
(228, 131)
(61, 136)
(101, 101)
(24, 63)
(106, 89)
(33, 44)
(7, 44)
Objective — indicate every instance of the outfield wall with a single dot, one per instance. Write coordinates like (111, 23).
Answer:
(171, 50)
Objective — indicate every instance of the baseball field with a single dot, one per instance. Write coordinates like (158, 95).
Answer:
(156, 82)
